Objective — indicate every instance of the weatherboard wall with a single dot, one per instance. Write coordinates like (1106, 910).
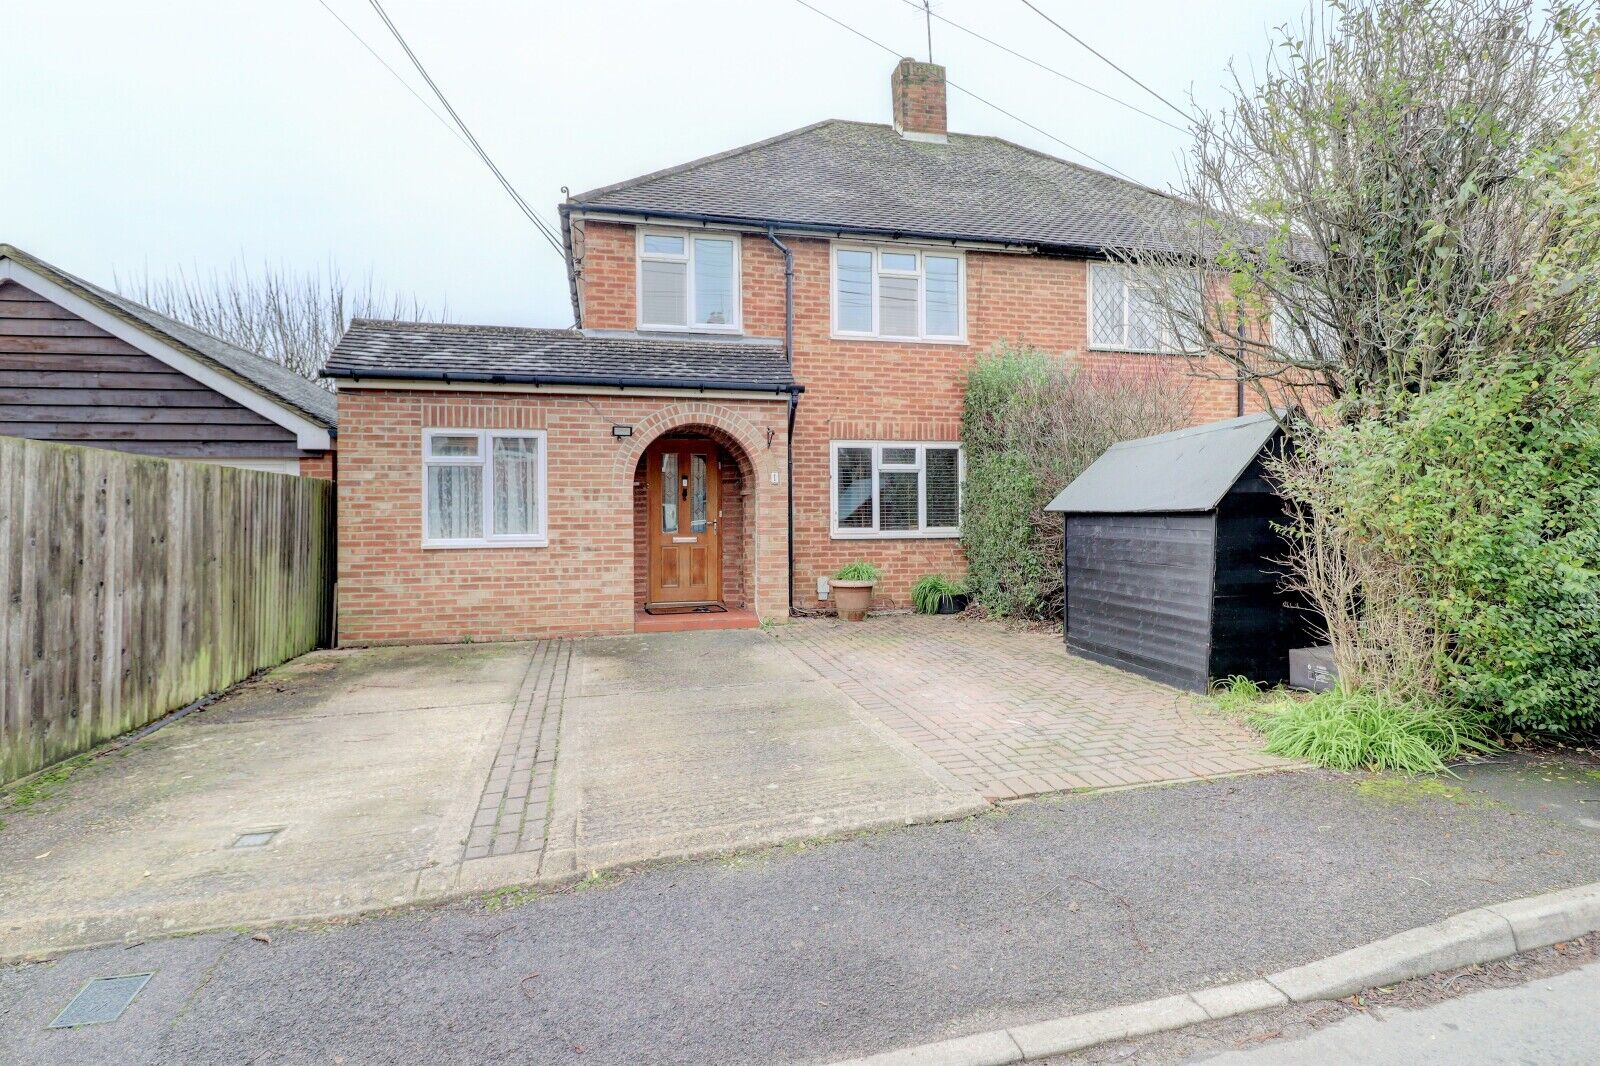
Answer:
(66, 380)
(1139, 593)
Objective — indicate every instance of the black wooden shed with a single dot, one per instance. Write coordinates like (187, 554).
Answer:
(1170, 560)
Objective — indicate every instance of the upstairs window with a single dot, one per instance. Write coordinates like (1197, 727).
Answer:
(1123, 317)
(898, 293)
(896, 489)
(688, 281)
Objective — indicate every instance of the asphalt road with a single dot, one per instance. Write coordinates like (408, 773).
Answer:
(846, 948)
(1550, 1022)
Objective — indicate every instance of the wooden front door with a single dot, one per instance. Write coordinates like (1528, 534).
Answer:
(683, 493)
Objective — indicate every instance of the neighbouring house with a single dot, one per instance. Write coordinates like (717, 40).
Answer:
(80, 364)
(765, 383)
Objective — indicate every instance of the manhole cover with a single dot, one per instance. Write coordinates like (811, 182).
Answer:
(101, 1000)
(256, 838)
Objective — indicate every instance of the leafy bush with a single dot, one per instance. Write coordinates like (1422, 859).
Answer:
(928, 594)
(1029, 425)
(1490, 490)
(1455, 530)
(858, 571)
(1356, 729)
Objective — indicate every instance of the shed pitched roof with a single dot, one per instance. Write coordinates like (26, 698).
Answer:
(373, 348)
(863, 177)
(1186, 470)
(257, 373)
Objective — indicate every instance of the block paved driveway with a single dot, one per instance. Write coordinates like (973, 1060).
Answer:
(1011, 714)
(395, 775)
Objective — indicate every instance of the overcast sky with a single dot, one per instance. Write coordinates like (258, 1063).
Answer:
(194, 133)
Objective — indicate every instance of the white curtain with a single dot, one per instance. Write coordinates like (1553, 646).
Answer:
(516, 485)
(455, 502)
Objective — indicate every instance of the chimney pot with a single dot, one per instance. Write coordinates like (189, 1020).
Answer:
(918, 92)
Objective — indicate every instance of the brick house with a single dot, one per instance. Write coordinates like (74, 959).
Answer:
(765, 383)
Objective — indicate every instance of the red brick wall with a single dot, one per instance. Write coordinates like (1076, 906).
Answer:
(889, 390)
(323, 465)
(917, 90)
(392, 590)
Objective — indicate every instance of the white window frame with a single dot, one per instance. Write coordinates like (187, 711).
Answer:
(687, 259)
(485, 459)
(877, 252)
(923, 531)
(1098, 270)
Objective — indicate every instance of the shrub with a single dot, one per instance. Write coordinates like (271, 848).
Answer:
(1356, 729)
(857, 571)
(928, 594)
(1029, 425)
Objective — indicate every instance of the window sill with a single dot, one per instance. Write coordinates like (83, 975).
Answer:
(1106, 349)
(950, 342)
(905, 534)
(734, 330)
(498, 542)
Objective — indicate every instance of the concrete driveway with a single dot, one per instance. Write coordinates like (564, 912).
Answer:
(355, 780)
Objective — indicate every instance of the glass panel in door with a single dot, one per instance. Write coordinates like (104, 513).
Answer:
(669, 492)
(697, 493)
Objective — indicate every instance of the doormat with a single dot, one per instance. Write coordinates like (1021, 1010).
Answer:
(700, 608)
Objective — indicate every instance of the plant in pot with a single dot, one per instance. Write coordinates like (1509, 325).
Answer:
(852, 590)
(937, 594)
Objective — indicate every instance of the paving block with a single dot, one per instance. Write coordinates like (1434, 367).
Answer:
(1065, 1035)
(1241, 997)
(1540, 921)
(984, 1049)
(1462, 940)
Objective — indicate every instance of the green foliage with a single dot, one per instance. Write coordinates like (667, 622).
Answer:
(1354, 729)
(1029, 425)
(858, 571)
(929, 592)
(1236, 693)
(1489, 488)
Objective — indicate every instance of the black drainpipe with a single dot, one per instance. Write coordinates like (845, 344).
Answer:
(794, 397)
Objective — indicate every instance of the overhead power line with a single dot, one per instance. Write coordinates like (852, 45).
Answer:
(544, 228)
(362, 41)
(1107, 60)
(1042, 66)
(968, 92)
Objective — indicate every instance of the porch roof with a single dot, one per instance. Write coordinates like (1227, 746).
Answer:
(374, 348)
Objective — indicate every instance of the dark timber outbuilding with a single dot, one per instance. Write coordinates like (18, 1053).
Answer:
(1171, 556)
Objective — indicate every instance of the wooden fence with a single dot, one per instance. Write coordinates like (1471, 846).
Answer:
(132, 586)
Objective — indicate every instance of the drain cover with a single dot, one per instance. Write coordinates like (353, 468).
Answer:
(258, 838)
(101, 1000)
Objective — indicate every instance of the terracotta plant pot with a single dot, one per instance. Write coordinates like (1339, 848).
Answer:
(853, 599)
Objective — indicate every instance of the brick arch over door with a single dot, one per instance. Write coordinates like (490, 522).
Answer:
(746, 441)
(754, 575)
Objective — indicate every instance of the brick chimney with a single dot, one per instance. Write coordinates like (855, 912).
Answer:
(918, 91)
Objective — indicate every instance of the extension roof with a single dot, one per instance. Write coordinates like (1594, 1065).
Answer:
(1187, 470)
(865, 178)
(255, 372)
(375, 349)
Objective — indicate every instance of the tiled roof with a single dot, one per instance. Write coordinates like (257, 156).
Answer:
(866, 178)
(373, 348)
(256, 372)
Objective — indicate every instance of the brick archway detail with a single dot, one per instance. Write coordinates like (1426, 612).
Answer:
(678, 416)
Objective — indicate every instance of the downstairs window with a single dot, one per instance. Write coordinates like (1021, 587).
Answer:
(893, 489)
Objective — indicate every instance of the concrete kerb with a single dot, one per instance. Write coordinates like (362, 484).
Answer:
(1476, 936)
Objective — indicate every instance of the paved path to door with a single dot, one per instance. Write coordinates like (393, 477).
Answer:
(1011, 714)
